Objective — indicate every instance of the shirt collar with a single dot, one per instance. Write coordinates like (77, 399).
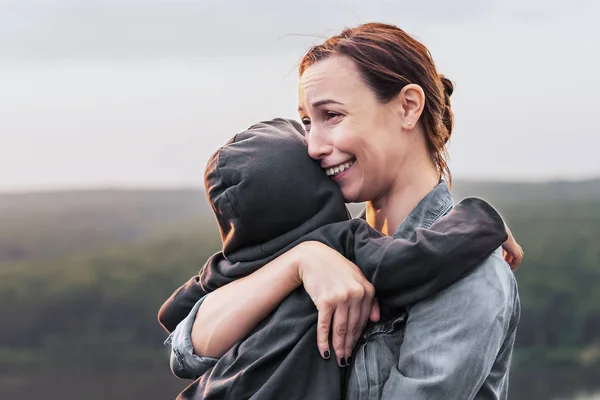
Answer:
(437, 203)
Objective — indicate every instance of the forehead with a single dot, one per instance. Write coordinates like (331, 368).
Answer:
(335, 78)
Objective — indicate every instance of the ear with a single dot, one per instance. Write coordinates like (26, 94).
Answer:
(411, 101)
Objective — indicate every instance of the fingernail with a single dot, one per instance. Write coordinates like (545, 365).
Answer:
(343, 361)
(326, 354)
(349, 360)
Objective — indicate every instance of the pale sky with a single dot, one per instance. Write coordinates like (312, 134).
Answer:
(133, 93)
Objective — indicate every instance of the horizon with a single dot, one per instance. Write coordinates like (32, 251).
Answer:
(184, 188)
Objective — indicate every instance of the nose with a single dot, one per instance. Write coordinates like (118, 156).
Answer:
(318, 145)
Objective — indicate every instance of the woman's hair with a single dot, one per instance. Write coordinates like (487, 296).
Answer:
(389, 59)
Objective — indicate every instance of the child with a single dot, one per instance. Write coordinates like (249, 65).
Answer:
(268, 195)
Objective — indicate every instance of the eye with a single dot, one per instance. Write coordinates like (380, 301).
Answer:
(306, 123)
(333, 116)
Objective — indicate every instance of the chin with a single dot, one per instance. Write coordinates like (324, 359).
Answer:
(351, 190)
(350, 196)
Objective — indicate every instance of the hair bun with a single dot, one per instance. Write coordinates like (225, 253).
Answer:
(448, 86)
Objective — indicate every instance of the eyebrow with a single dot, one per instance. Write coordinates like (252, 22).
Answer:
(322, 103)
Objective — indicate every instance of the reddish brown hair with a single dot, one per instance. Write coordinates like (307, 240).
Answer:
(389, 59)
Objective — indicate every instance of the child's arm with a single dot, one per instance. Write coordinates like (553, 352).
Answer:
(406, 271)
(401, 271)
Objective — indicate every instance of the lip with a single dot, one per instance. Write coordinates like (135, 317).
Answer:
(341, 176)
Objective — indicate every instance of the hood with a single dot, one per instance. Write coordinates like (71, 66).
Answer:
(266, 192)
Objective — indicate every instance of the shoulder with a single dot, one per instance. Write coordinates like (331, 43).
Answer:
(492, 283)
(495, 276)
(488, 293)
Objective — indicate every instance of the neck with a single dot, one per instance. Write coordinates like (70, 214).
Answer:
(387, 213)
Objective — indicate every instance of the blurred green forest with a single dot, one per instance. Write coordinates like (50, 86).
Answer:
(83, 273)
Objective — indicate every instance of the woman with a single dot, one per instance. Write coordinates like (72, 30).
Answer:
(377, 116)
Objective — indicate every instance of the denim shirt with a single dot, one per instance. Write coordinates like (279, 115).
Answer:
(454, 345)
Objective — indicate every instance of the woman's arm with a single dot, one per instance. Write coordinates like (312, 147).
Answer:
(229, 314)
(405, 271)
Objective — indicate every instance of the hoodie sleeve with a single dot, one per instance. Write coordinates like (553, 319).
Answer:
(177, 307)
(406, 271)
(217, 272)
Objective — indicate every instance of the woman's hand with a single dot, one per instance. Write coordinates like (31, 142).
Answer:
(513, 253)
(341, 294)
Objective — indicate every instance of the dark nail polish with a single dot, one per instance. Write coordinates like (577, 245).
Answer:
(343, 361)
(326, 354)
(349, 360)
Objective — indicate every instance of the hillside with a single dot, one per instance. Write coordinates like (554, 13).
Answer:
(37, 226)
(508, 192)
(87, 271)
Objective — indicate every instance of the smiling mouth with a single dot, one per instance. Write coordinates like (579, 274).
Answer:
(338, 169)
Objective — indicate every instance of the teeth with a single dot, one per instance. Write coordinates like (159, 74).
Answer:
(338, 168)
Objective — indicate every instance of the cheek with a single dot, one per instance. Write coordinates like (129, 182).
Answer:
(351, 141)
(378, 168)
(373, 159)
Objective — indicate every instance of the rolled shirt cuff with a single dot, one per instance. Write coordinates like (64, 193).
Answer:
(184, 363)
